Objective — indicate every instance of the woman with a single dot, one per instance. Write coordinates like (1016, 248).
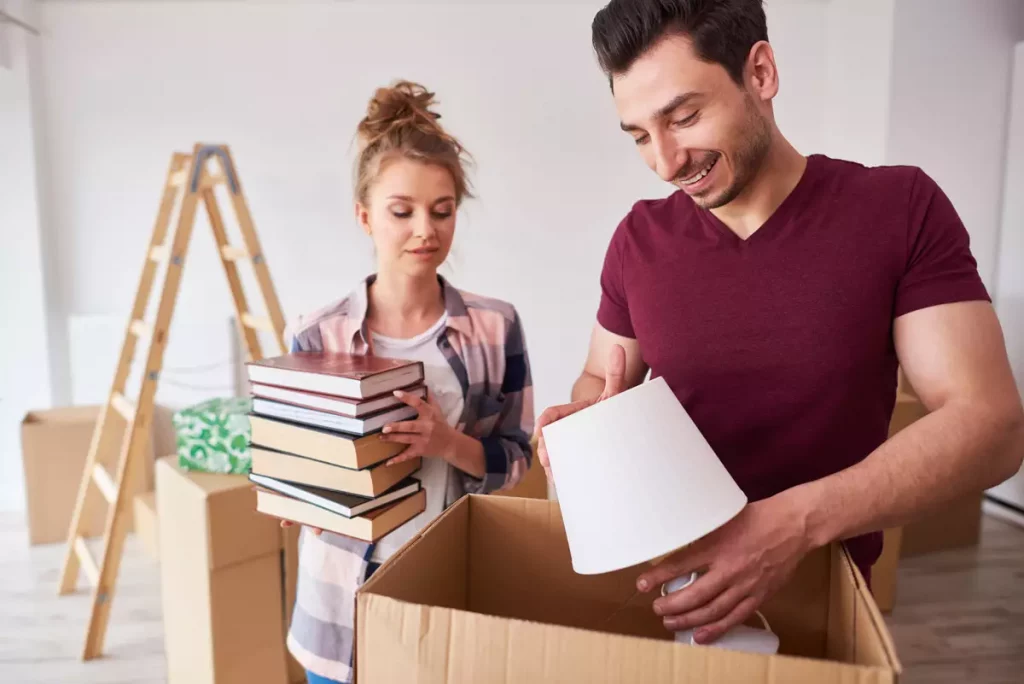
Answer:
(474, 428)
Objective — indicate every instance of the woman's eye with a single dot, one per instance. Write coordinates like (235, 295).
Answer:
(442, 214)
(401, 214)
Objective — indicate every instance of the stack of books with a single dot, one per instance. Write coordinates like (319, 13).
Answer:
(317, 455)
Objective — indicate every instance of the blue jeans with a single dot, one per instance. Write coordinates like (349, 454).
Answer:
(317, 679)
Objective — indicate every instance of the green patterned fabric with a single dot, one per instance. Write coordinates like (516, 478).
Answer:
(213, 437)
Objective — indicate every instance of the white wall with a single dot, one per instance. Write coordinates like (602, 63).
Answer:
(285, 84)
(1009, 290)
(858, 64)
(949, 97)
(24, 375)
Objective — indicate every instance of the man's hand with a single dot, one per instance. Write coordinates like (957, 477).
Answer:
(614, 382)
(746, 561)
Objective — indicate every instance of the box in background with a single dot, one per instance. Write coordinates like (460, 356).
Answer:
(221, 580)
(54, 445)
(144, 506)
(487, 593)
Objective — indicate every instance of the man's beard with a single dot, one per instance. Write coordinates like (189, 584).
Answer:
(747, 159)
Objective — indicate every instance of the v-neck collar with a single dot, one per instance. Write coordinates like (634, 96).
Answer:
(778, 219)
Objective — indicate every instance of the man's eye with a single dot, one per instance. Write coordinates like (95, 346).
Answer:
(642, 140)
(687, 121)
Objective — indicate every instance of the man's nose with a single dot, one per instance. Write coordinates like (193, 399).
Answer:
(668, 158)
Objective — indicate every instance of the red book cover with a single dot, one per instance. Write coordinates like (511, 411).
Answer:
(326, 363)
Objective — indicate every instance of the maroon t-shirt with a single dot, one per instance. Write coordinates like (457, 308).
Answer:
(780, 346)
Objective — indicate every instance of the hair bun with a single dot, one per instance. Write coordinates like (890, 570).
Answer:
(402, 106)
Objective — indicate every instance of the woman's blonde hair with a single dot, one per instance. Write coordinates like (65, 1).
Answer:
(400, 123)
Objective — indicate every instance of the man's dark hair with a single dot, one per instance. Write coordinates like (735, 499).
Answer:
(722, 31)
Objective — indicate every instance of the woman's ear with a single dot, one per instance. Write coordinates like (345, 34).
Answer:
(363, 217)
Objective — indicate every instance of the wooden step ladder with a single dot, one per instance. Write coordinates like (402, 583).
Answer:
(124, 423)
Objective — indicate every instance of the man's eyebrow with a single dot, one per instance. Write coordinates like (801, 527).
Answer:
(674, 104)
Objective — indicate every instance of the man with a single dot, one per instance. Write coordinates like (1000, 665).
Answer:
(778, 294)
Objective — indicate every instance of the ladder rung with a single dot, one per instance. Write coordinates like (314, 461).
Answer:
(141, 329)
(213, 179)
(257, 322)
(234, 253)
(86, 562)
(122, 406)
(159, 253)
(178, 178)
(104, 482)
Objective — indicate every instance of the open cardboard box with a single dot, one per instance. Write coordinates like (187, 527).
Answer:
(487, 593)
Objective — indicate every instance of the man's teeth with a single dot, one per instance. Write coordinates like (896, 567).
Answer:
(693, 179)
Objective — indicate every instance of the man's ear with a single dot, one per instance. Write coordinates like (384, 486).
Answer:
(762, 72)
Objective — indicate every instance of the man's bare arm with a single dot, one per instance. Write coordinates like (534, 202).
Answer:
(601, 358)
(972, 438)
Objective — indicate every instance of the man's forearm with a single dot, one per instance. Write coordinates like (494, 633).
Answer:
(951, 452)
(588, 387)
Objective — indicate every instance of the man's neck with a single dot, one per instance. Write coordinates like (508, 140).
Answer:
(776, 178)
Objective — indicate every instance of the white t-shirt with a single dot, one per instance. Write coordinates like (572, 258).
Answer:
(436, 475)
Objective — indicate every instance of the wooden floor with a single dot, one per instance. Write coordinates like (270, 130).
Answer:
(959, 616)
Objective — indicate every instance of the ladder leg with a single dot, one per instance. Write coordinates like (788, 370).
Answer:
(139, 418)
(102, 443)
(252, 340)
(113, 545)
(252, 243)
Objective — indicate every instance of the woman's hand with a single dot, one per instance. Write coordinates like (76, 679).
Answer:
(288, 523)
(428, 435)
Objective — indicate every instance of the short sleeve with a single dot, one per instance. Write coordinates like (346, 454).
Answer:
(613, 311)
(940, 267)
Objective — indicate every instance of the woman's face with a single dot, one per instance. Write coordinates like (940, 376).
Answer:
(410, 216)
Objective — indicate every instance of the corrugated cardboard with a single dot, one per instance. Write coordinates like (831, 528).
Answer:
(884, 573)
(54, 446)
(145, 523)
(221, 584)
(486, 593)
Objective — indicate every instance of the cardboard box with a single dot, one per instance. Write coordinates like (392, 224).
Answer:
(486, 593)
(221, 580)
(146, 524)
(54, 446)
(885, 571)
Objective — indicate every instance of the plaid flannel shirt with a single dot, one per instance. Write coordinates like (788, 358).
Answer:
(486, 348)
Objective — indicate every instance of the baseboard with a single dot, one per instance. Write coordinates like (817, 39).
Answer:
(1002, 510)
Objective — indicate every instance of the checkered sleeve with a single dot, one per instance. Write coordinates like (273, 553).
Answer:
(507, 450)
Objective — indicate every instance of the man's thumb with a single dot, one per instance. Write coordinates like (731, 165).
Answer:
(615, 372)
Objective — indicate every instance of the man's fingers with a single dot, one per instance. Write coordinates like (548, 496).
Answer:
(679, 564)
(615, 372)
(713, 609)
(704, 591)
(743, 610)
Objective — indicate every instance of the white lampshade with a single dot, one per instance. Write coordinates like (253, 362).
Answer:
(635, 479)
